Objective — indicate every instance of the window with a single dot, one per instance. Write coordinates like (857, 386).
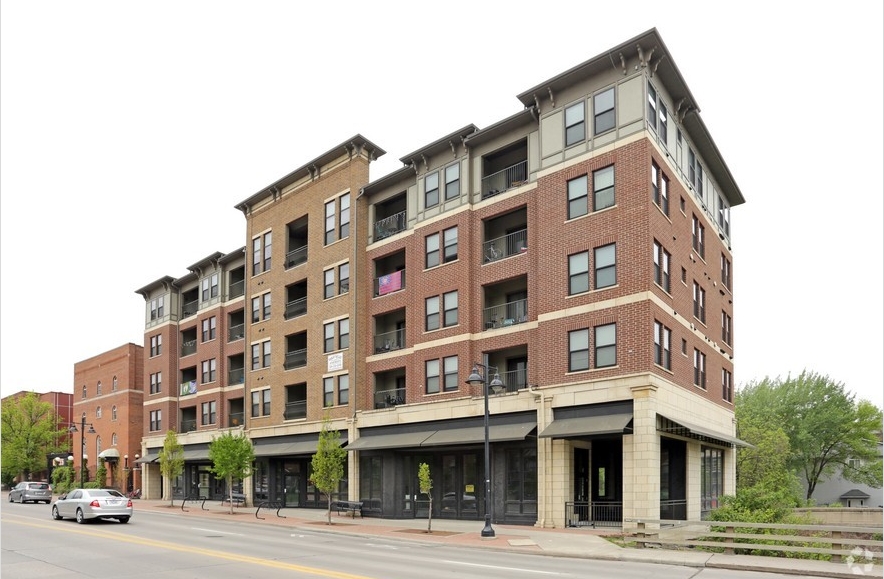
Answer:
(431, 190)
(727, 387)
(452, 181)
(606, 345)
(114, 413)
(431, 369)
(343, 278)
(652, 107)
(261, 402)
(157, 308)
(699, 303)
(711, 479)
(662, 345)
(156, 420)
(84, 392)
(699, 369)
(724, 216)
(575, 124)
(603, 188)
(578, 200)
(725, 271)
(345, 216)
(98, 388)
(330, 222)
(725, 328)
(605, 266)
(603, 104)
(432, 313)
(448, 381)
(261, 307)
(661, 266)
(209, 412)
(432, 250)
(449, 236)
(578, 273)
(664, 124)
(698, 237)
(208, 370)
(328, 391)
(328, 342)
(700, 181)
(449, 365)
(156, 345)
(692, 171)
(114, 439)
(261, 253)
(209, 328)
(329, 283)
(344, 389)
(209, 287)
(344, 334)
(449, 304)
(98, 412)
(114, 385)
(660, 188)
(578, 350)
(156, 383)
(261, 355)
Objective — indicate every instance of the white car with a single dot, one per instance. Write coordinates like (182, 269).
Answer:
(88, 504)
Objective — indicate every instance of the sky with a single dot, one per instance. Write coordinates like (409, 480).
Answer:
(130, 130)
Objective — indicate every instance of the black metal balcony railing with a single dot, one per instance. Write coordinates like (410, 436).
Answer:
(514, 243)
(514, 380)
(188, 347)
(189, 308)
(674, 510)
(594, 514)
(188, 425)
(236, 419)
(389, 283)
(389, 398)
(296, 256)
(389, 341)
(511, 177)
(296, 308)
(237, 289)
(295, 410)
(236, 332)
(508, 314)
(295, 359)
(236, 376)
(390, 225)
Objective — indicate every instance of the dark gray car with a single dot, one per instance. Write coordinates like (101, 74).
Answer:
(31, 492)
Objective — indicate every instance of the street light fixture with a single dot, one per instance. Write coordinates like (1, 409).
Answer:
(477, 379)
(73, 429)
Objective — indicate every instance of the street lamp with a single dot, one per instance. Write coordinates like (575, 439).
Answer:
(477, 379)
(73, 429)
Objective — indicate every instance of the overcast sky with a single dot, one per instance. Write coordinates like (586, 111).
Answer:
(130, 130)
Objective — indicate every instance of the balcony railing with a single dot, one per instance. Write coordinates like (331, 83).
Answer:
(237, 376)
(389, 341)
(504, 315)
(295, 359)
(511, 244)
(188, 347)
(389, 398)
(390, 225)
(514, 380)
(236, 419)
(236, 332)
(189, 308)
(188, 425)
(295, 410)
(237, 289)
(389, 283)
(296, 257)
(296, 308)
(511, 177)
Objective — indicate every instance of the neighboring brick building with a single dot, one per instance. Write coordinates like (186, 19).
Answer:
(108, 399)
(62, 404)
(577, 253)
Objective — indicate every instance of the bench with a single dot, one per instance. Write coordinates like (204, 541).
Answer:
(351, 507)
(238, 500)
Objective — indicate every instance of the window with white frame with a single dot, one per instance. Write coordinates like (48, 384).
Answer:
(699, 369)
(662, 345)
(452, 181)
(449, 238)
(157, 307)
(603, 105)
(662, 259)
(209, 327)
(261, 253)
(261, 355)
(578, 273)
(603, 188)
(605, 265)
(156, 345)
(575, 124)
(578, 197)
(699, 302)
(209, 287)
(578, 350)
(605, 345)
(210, 412)
(431, 190)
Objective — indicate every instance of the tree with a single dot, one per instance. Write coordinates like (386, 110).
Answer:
(30, 431)
(426, 485)
(328, 463)
(827, 430)
(232, 458)
(171, 459)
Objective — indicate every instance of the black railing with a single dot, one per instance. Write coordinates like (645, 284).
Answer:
(390, 225)
(236, 419)
(514, 243)
(236, 376)
(594, 514)
(296, 308)
(675, 510)
(189, 308)
(389, 398)
(389, 341)
(188, 425)
(237, 289)
(237, 332)
(504, 315)
(295, 410)
(511, 177)
(296, 257)
(188, 347)
(295, 359)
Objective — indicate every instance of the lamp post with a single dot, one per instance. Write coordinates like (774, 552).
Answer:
(477, 379)
(73, 429)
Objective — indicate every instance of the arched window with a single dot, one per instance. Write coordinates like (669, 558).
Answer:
(84, 417)
(114, 386)
(114, 413)
(98, 412)
(98, 389)
(84, 391)
(114, 439)
(97, 446)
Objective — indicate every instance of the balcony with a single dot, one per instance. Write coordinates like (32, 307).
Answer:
(505, 315)
(236, 419)
(389, 283)
(295, 308)
(296, 257)
(297, 233)
(295, 359)
(237, 376)
(514, 243)
(389, 226)
(237, 288)
(295, 410)
(236, 332)
(505, 179)
(189, 308)
(188, 347)
(389, 341)
(187, 425)
(389, 398)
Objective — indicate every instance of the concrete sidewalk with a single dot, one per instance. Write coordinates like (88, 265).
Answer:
(572, 542)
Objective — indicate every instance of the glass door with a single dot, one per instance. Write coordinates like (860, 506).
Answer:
(292, 484)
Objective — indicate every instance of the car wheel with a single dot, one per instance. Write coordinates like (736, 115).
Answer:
(55, 513)
(124, 519)
(11, 499)
(80, 518)
(21, 499)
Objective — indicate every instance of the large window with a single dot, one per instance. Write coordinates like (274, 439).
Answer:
(209, 328)
(433, 254)
(603, 188)
(156, 420)
(699, 369)
(662, 259)
(578, 197)
(605, 266)
(662, 345)
(575, 124)
(603, 105)
(442, 374)
(209, 287)
(210, 412)
(605, 345)
(261, 355)
(578, 273)
(578, 350)
(452, 181)
(431, 190)
(447, 316)
(208, 370)
(261, 253)
(156, 382)
(711, 479)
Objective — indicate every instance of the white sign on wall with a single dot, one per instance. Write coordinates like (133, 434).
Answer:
(335, 362)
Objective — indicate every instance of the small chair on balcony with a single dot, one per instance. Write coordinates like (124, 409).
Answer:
(493, 254)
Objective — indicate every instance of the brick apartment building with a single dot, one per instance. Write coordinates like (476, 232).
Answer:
(575, 254)
(107, 414)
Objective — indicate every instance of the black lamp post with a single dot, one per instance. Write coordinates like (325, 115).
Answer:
(72, 429)
(477, 379)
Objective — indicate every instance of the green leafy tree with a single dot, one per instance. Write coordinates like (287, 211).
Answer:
(62, 479)
(328, 463)
(30, 430)
(171, 459)
(828, 431)
(426, 485)
(232, 458)
(100, 475)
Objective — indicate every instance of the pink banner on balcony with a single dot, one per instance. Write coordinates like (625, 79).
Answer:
(390, 283)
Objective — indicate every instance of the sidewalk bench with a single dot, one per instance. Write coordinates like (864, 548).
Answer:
(238, 499)
(351, 507)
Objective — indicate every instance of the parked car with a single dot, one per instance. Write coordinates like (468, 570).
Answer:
(31, 492)
(87, 504)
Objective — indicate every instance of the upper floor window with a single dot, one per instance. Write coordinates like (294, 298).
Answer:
(208, 367)
(261, 403)
(261, 355)
(660, 188)
(661, 266)
(692, 169)
(727, 386)
(261, 253)
(114, 385)
(344, 389)
(578, 197)
(432, 251)
(578, 350)
(452, 181)
(156, 382)
(724, 216)
(98, 412)
(603, 188)
(328, 339)
(605, 345)
(84, 392)
(114, 413)
(726, 328)
(98, 388)
(344, 202)
(210, 412)
(449, 237)
(652, 107)
(603, 105)
(156, 420)
(605, 266)
(725, 271)
(156, 345)
(578, 273)
(605, 351)
(699, 302)
(449, 309)
(343, 278)
(699, 369)
(328, 391)
(662, 345)
(330, 222)
(114, 439)
(431, 190)
(344, 334)
(441, 311)
(657, 117)
(157, 308)
(261, 307)
(328, 283)
(698, 237)
(209, 287)
(442, 374)
(575, 124)
(209, 326)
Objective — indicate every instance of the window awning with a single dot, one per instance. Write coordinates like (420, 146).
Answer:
(682, 428)
(109, 453)
(151, 456)
(618, 423)
(476, 434)
(200, 452)
(287, 448)
(397, 440)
